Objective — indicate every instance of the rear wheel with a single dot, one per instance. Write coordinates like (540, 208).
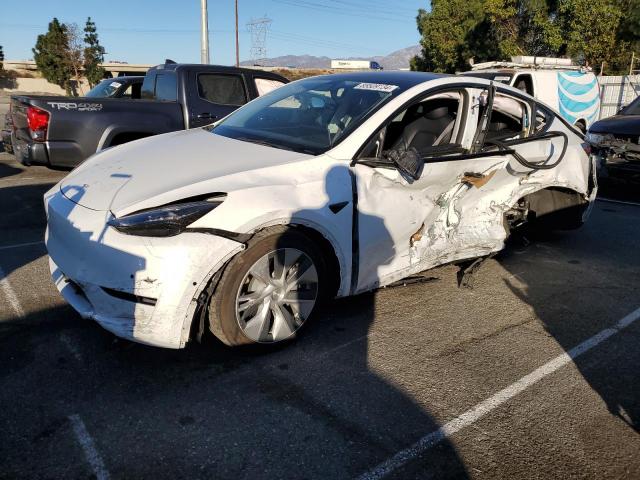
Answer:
(268, 291)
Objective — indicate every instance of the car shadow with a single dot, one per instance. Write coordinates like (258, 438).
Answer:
(7, 170)
(315, 408)
(621, 183)
(549, 276)
(22, 222)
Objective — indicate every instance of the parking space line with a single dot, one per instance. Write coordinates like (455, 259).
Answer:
(486, 406)
(622, 202)
(89, 447)
(20, 245)
(10, 294)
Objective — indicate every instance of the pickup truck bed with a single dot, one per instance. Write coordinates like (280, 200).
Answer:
(62, 132)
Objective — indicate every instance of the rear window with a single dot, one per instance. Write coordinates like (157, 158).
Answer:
(222, 89)
(166, 87)
(162, 86)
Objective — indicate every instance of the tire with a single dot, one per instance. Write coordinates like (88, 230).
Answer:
(248, 308)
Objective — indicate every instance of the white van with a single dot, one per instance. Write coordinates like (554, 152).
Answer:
(571, 90)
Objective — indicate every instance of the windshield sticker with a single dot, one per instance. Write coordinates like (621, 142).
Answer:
(376, 87)
(115, 84)
(502, 79)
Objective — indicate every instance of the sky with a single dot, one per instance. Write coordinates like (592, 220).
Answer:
(148, 31)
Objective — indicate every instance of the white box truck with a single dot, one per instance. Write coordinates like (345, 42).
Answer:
(355, 65)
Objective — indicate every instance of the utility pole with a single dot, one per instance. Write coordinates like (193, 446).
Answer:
(237, 40)
(204, 41)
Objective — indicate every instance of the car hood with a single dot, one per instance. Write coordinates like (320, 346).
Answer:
(166, 168)
(618, 125)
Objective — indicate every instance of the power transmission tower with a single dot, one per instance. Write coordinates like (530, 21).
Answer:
(259, 28)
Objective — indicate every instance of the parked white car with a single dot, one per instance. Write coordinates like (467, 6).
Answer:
(326, 187)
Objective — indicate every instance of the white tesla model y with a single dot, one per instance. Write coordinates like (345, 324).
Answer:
(326, 187)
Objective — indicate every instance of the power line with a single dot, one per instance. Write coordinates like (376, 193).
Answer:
(316, 41)
(382, 7)
(122, 30)
(352, 12)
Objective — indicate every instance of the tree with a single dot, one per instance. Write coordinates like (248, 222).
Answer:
(93, 54)
(589, 31)
(443, 31)
(51, 55)
(628, 38)
(540, 32)
(629, 30)
(1, 58)
(75, 54)
(515, 27)
(590, 28)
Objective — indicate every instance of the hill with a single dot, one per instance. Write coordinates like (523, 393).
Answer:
(394, 61)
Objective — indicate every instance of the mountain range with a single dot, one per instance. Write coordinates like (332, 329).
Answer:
(394, 61)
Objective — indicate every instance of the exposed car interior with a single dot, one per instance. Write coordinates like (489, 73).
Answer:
(424, 125)
(508, 118)
(432, 125)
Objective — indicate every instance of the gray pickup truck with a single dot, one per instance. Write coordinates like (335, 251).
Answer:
(62, 132)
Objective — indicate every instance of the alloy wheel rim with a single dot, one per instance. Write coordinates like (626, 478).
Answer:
(277, 295)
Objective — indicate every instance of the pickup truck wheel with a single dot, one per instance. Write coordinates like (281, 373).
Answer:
(268, 292)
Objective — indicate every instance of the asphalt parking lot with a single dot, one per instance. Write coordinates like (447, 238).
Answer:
(535, 373)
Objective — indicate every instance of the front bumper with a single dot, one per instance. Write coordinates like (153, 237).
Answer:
(139, 288)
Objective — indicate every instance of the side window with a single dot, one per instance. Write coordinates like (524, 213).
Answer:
(524, 82)
(428, 126)
(166, 87)
(148, 87)
(266, 85)
(136, 90)
(509, 118)
(222, 89)
(542, 119)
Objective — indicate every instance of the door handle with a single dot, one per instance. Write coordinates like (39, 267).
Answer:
(206, 116)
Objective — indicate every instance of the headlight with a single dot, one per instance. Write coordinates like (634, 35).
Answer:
(164, 221)
(595, 138)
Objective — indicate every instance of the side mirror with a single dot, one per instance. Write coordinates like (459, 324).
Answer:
(408, 162)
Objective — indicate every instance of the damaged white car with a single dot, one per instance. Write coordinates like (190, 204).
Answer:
(326, 187)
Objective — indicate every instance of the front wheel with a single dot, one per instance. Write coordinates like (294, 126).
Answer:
(267, 292)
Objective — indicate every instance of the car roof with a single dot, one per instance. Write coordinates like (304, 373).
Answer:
(491, 70)
(175, 67)
(128, 78)
(404, 79)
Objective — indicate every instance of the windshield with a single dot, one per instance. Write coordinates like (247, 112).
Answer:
(104, 89)
(309, 116)
(633, 108)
